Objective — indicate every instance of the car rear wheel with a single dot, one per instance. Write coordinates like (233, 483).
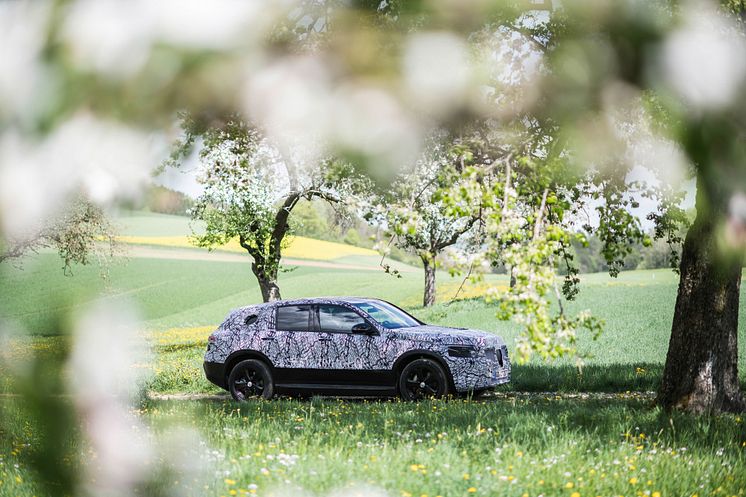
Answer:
(421, 379)
(250, 379)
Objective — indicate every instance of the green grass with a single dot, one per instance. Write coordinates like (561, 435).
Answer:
(536, 445)
(174, 294)
(509, 447)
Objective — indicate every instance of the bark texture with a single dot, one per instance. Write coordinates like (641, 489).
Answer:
(701, 372)
(265, 271)
(270, 289)
(429, 264)
(266, 265)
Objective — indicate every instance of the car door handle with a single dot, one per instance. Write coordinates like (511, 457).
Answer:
(268, 338)
(325, 339)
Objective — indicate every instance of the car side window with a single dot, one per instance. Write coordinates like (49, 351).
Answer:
(293, 318)
(338, 319)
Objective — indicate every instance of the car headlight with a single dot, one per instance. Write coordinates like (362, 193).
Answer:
(463, 351)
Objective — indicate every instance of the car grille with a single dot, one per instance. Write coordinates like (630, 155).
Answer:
(503, 358)
(490, 354)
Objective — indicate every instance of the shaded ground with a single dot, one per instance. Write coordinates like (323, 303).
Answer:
(495, 396)
(515, 446)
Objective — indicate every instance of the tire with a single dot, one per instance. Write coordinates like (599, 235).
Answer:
(251, 379)
(422, 379)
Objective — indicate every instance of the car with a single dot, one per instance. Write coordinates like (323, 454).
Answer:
(349, 346)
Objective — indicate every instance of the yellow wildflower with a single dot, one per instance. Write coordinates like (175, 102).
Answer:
(471, 490)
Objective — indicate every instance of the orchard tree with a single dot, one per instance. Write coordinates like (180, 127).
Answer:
(698, 103)
(694, 101)
(80, 233)
(694, 97)
(415, 214)
(529, 197)
(250, 190)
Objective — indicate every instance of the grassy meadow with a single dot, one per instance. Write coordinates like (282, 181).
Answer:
(524, 441)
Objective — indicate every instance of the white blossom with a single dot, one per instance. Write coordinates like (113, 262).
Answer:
(291, 99)
(22, 26)
(102, 391)
(436, 71)
(116, 38)
(704, 60)
(107, 161)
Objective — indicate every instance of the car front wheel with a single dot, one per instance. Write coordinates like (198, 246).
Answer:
(250, 379)
(421, 379)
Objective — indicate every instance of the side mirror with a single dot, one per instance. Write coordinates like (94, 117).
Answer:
(363, 329)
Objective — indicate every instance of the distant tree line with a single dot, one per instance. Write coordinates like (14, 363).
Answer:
(163, 200)
(589, 258)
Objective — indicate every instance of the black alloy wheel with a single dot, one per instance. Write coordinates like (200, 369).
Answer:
(251, 379)
(422, 379)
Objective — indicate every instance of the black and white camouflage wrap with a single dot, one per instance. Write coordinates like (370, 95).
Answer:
(318, 350)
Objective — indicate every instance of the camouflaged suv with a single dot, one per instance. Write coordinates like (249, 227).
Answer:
(347, 345)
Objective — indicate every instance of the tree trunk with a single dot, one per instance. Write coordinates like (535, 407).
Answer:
(267, 284)
(701, 372)
(428, 262)
(270, 290)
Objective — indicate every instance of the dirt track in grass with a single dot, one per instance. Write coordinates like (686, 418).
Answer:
(548, 396)
(144, 252)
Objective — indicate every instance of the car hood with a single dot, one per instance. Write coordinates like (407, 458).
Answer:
(447, 335)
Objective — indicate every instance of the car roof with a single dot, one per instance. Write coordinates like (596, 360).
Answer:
(305, 301)
(323, 300)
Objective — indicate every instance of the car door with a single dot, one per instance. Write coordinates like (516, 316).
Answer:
(354, 358)
(288, 344)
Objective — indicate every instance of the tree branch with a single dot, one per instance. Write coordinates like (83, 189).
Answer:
(19, 249)
(461, 287)
(438, 246)
(315, 192)
(508, 172)
(540, 214)
(281, 223)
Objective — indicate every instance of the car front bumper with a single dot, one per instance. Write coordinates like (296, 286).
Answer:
(480, 373)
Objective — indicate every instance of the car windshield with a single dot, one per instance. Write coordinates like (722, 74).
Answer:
(389, 316)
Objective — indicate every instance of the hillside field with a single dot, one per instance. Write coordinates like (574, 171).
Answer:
(543, 435)
(182, 300)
